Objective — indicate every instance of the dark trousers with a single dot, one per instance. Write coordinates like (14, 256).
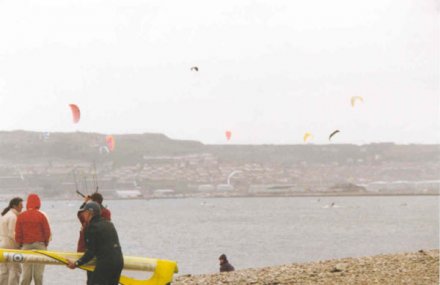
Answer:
(106, 273)
(89, 277)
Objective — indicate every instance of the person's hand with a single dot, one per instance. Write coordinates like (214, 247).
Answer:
(70, 264)
(87, 199)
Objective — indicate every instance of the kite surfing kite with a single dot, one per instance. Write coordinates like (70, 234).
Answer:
(307, 136)
(195, 68)
(110, 142)
(228, 135)
(332, 134)
(356, 98)
(76, 114)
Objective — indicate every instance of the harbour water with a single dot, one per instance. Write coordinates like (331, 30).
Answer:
(254, 232)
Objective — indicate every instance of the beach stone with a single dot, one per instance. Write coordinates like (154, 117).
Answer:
(339, 267)
(390, 269)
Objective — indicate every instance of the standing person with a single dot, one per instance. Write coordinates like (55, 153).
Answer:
(102, 242)
(225, 266)
(10, 272)
(32, 231)
(105, 213)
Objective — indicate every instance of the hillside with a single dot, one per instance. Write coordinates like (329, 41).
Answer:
(20, 146)
(46, 163)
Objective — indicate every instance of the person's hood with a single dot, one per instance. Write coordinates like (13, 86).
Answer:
(33, 202)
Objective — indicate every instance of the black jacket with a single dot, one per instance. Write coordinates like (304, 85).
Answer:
(226, 267)
(102, 242)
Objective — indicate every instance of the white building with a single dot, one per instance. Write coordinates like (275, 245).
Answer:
(127, 194)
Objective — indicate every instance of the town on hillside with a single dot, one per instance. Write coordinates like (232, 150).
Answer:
(154, 166)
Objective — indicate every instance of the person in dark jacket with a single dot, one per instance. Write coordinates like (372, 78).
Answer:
(225, 266)
(102, 242)
(105, 213)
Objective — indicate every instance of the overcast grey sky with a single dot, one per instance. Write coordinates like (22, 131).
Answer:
(268, 70)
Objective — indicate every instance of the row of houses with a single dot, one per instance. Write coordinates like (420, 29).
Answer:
(206, 173)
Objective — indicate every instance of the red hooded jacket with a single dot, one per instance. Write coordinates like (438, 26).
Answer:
(32, 225)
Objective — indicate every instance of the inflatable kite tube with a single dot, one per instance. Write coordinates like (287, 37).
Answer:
(163, 270)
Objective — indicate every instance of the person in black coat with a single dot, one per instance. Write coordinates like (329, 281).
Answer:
(102, 242)
(225, 266)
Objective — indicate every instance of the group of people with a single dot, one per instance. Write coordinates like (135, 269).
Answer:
(23, 230)
(98, 239)
(30, 229)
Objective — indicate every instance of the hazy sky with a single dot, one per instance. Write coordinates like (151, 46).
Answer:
(268, 70)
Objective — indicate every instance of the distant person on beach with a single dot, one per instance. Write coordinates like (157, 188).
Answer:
(105, 213)
(102, 242)
(10, 272)
(225, 266)
(32, 231)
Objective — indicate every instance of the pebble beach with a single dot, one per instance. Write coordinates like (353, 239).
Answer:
(421, 267)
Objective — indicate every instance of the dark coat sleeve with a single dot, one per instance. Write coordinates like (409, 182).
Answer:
(90, 237)
(226, 267)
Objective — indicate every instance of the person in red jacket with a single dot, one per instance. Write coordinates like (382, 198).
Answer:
(32, 231)
(105, 213)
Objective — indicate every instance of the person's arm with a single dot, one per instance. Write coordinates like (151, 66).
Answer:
(80, 218)
(83, 204)
(106, 214)
(90, 237)
(18, 232)
(86, 199)
(11, 222)
(46, 230)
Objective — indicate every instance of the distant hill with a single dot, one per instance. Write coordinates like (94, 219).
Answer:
(25, 147)
(288, 154)
(54, 164)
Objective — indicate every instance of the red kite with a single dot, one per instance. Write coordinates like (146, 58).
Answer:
(76, 114)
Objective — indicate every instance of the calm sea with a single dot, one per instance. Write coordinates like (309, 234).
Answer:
(254, 232)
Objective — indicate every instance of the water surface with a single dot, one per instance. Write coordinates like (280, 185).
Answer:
(254, 232)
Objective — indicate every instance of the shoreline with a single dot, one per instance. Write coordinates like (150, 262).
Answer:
(308, 195)
(317, 194)
(421, 267)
